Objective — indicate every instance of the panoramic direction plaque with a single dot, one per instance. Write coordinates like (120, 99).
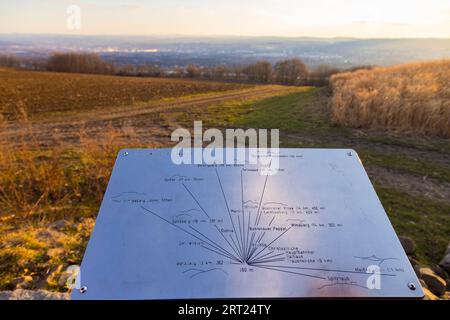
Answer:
(316, 228)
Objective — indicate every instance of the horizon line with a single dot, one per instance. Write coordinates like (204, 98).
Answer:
(219, 36)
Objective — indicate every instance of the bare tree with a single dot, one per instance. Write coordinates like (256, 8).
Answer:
(79, 63)
(292, 71)
(321, 75)
(261, 71)
(219, 72)
(238, 73)
(9, 61)
(192, 71)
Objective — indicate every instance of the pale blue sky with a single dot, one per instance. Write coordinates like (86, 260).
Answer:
(322, 18)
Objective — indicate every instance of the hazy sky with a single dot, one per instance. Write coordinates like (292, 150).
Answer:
(323, 18)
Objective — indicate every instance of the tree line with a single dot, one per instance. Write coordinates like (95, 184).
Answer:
(289, 72)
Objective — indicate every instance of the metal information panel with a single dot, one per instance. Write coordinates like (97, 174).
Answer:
(316, 228)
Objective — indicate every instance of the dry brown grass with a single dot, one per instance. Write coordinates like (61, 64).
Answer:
(35, 180)
(406, 98)
(41, 186)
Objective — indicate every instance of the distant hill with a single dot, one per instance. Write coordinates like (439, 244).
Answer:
(170, 51)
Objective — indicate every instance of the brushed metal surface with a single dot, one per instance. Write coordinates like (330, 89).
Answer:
(314, 229)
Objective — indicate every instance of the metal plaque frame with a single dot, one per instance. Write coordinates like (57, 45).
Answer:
(316, 228)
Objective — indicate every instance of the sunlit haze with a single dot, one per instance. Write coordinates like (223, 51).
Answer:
(315, 18)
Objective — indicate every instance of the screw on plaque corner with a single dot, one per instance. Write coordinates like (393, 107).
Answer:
(83, 289)
(125, 153)
(411, 286)
(349, 153)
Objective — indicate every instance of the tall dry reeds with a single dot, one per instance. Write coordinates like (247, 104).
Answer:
(407, 98)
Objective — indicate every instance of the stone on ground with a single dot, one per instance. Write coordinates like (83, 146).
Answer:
(408, 245)
(21, 294)
(434, 283)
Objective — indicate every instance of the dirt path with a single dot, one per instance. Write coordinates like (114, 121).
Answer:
(146, 122)
(68, 126)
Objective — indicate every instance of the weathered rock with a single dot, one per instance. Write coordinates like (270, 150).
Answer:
(429, 295)
(445, 262)
(440, 272)
(447, 287)
(435, 283)
(417, 270)
(4, 295)
(408, 244)
(20, 294)
(70, 272)
(446, 296)
(423, 284)
(413, 261)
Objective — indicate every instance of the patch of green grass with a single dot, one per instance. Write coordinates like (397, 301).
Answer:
(426, 221)
(418, 143)
(303, 112)
(405, 164)
(233, 113)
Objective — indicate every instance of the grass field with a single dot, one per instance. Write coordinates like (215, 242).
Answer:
(54, 168)
(47, 93)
